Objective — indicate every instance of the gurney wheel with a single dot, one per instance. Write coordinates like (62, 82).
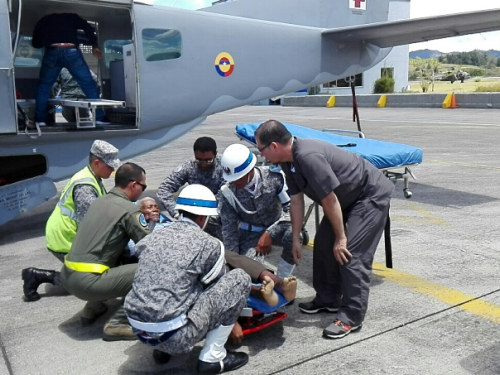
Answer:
(407, 193)
(305, 237)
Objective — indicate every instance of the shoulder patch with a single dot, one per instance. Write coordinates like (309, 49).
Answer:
(143, 221)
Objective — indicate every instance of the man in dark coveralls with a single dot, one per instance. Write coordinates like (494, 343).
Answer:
(57, 33)
(91, 270)
(355, 197)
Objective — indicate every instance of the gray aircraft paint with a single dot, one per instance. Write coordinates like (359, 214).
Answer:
(278, 46)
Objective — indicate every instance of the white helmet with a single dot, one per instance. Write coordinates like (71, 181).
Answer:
(198, 200)
(237, 160)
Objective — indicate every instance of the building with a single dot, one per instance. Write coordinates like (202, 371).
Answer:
(395, 64)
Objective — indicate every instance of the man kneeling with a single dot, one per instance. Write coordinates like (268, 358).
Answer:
(181, 291)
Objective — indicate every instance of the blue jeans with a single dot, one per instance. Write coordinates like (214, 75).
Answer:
(54, 59)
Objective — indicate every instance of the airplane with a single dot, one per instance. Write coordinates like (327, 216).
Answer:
(166, 69)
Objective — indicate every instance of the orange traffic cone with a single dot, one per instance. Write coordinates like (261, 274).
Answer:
(453, 104)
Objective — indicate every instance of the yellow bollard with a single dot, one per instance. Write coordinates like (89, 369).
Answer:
(382, 101)
(331, 102)
(447, 101)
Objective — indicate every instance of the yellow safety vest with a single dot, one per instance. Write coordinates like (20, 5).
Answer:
(61, 226)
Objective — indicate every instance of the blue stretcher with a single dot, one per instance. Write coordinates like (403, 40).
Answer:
(258, 315)
(393, 159)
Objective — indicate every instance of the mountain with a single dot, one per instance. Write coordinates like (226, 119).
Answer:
(433, 54)
(426, 54)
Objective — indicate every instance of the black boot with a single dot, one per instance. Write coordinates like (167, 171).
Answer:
(233, 361)
(33, 277)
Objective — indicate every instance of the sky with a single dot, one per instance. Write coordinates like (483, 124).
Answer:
(418, 8)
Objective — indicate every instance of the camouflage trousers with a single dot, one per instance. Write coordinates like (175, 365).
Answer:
(281, 234)
(221, 304)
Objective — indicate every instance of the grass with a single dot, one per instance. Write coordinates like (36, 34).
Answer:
(470, 85)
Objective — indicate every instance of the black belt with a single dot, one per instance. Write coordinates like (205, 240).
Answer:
(65, 47)
(153, 341)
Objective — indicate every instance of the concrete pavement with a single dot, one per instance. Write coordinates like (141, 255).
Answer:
(436, 312)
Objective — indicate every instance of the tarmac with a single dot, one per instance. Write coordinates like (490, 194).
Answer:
(436, 312)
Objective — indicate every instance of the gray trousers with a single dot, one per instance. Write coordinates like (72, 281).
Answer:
(348, 286)
(221, 304)
(115, 282)
(250, 266)
(282, 236)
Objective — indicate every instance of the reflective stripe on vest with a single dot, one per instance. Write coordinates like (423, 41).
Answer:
(85, 267)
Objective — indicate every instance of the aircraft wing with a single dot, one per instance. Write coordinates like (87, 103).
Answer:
(395, 33)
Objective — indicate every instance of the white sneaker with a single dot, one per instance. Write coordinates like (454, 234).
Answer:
(41, 123)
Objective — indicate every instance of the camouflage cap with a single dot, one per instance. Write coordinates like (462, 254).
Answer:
(106, 152)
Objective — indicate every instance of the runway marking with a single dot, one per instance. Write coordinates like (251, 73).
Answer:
(480, 166)
(471, 304)
(433, 219)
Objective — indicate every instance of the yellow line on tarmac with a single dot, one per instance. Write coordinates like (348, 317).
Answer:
(427, 214)
(480, 166)
(439, 292)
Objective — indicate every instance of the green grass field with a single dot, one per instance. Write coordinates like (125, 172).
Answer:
(468, 86)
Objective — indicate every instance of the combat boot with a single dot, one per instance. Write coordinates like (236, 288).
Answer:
(92, 311)
(33, 277)
(118, 328)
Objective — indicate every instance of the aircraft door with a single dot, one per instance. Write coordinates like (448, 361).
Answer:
(7, 101)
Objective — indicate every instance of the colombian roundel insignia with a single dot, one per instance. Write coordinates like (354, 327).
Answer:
(224, 64)
(143, 221)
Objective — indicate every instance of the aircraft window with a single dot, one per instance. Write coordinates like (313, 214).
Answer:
(113, 50)
(344, 83)
(26, 55)
(161, 44)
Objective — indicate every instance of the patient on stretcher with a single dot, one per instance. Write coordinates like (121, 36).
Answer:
(287, 287)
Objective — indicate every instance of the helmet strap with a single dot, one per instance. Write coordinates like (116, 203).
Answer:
(205, 223)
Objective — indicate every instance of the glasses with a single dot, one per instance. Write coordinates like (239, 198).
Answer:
(141, 185)
(206, 161)
(263, 148)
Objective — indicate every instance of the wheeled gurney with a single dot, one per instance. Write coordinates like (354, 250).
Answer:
(393, 159)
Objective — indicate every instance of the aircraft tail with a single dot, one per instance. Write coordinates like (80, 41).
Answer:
(326, 14)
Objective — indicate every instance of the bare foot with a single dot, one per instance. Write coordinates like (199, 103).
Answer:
(288, 287)
(268, 293)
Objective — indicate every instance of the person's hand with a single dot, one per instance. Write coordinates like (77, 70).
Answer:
(340, 252)
(97, 53)
(236, 335)
(296, 252)
(264, 244)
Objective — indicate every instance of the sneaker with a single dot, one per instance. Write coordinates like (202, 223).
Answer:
(103, 121)
(314, 307)
(339, 329)
(92, 311)
(41, 123)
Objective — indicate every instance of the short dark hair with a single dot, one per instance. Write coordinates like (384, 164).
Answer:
(92, 157)
(272, 131)
(126, 173)
(205, 144)
(189, 215)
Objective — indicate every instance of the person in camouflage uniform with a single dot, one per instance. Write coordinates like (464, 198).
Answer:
(67, 88)
(254, 208)
(204, 169)
(181, 291)
(82, 189)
